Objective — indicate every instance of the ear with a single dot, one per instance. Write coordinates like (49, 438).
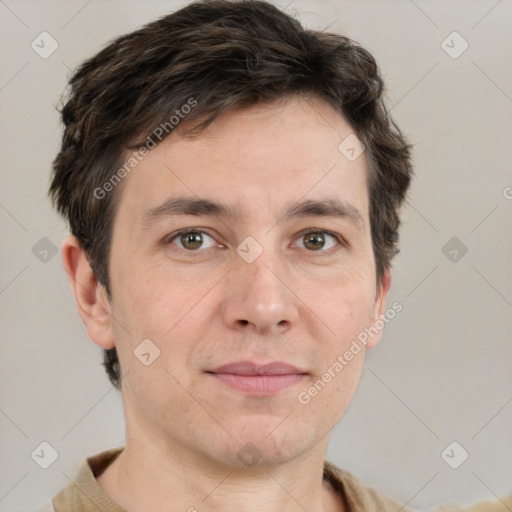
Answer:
(90, 295)
(379, 306)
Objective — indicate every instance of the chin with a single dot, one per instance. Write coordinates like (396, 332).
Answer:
(256, 447)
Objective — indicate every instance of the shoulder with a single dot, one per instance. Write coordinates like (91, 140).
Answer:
(84, 493)
(358, 496)
(497, 505)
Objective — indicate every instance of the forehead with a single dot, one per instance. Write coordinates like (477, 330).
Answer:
(265, 154)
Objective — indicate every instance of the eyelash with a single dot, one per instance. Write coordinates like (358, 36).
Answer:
(303, 233)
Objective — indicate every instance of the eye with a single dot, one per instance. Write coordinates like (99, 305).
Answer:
(320, 241)
(191, 240)
(314, 240)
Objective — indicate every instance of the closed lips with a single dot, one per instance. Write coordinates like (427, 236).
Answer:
(250, 368)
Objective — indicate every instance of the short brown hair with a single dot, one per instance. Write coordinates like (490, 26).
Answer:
(225, 55)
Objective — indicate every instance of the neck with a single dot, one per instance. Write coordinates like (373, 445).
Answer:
(149, 476)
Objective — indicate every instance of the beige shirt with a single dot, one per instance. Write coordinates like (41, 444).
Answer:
(84, 494)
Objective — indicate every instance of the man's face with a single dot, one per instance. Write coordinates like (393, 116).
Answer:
(250, 288)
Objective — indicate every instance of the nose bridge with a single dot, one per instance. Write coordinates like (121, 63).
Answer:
(258, 293)
(266, 273)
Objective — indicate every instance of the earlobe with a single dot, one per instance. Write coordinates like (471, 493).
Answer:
(379, 308)
(90, 295)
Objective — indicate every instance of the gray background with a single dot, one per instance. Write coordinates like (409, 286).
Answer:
(442, 371)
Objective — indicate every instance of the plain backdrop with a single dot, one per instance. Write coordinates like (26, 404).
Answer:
(442, 372)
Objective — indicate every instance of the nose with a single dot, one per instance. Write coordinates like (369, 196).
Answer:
(259, 296)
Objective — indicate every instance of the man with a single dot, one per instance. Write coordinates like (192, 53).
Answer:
(232, 183)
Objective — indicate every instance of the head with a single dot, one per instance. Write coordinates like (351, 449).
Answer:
(238, 94)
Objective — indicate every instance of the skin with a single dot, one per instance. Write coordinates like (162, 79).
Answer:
(184, 428)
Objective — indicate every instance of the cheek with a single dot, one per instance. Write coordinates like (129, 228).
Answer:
(152, 300)
(164, 308)
(153, 314)
(344, 304)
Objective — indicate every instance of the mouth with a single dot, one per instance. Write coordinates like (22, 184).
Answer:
(258, 380)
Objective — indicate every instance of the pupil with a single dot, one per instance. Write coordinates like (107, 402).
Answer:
(192, 240)
(314, 237)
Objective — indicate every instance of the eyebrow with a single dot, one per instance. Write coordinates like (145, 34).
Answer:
(188, 205)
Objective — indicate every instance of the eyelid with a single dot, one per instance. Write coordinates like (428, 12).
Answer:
(333, 234)
(175, 234)
(169, 238)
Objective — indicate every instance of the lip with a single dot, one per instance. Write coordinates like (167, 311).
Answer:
(258, 380)
(250, 368)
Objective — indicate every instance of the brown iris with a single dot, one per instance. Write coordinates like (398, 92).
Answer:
(316, 239)
(191, 240)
